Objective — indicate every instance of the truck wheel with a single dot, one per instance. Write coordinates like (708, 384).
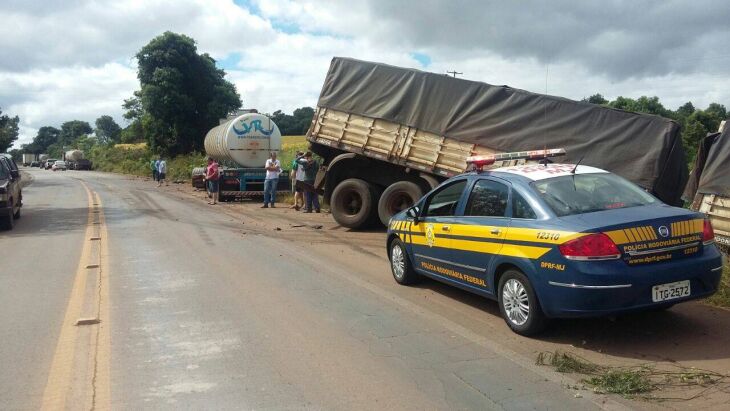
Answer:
(352, 204)
(396, 198)
(518, 304)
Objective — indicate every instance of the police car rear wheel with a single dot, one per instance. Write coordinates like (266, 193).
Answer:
(518, 304)
(400, 264)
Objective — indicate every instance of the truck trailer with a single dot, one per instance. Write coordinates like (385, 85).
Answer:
(387, 135)
(708, 188)
(28, 159)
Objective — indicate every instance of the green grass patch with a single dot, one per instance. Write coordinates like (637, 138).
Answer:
(289, 147)
(637, 381)
(722, 297)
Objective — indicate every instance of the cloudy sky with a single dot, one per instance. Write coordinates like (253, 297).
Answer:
(73, 59)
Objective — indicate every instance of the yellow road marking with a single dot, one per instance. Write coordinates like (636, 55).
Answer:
(63, 378)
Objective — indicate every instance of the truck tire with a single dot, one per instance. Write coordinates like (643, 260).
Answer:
(354, 203)
(396, 198)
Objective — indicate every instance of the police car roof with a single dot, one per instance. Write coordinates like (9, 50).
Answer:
(536, 172)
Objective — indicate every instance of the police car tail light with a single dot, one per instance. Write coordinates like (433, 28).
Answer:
(708, 234)
(591, 247)
(480, 161)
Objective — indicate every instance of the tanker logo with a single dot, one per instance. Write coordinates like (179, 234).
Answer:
(255, 125)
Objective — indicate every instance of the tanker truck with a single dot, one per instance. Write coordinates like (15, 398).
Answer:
(241, 144)
(71, 157)
(387, 135)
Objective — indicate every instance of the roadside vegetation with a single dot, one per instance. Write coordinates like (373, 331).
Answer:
(640, 381)
(722, 297)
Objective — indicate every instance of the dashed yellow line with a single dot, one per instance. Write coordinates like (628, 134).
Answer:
(79, 373)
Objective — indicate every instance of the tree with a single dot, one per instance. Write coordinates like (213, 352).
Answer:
(133, 133)
(182, 94)
(303, 119)
(685, 110)
(71, 130)
(46, 136)
(17, 154)
(596, 99)
(107, 130)
(8, 131)
(718, 110)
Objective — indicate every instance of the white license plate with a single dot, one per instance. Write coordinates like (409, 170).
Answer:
(670, 291)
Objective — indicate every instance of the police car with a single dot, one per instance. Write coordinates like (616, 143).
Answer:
(554, 241)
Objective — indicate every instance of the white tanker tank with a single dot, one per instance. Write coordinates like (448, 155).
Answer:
(246, 139)
(74, 155)
(43, 157)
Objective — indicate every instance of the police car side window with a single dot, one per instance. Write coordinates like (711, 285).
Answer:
(443, 203)
(520, 207)
(488, 199)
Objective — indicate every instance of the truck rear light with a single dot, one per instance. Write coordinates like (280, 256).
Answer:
(708, 234)
(592, 247)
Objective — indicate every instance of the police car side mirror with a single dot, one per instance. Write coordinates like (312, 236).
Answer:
(413, 213)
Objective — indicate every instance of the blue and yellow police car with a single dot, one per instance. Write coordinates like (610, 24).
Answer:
(554, 241)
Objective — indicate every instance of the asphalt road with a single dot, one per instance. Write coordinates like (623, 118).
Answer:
(204, 315)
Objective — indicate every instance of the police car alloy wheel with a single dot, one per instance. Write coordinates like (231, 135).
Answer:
(519, 305)
(400, 264)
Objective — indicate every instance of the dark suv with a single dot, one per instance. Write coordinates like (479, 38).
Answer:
(11, 196)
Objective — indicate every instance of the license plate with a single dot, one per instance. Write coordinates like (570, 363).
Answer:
(670, 291)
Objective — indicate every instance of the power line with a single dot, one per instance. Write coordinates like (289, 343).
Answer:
(454, 73)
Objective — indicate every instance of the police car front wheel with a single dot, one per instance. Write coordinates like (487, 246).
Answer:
(400, 264)
(519, 305)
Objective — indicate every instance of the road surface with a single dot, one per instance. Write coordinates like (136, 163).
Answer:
(198, 308)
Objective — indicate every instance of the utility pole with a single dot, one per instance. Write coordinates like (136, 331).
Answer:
(454, 73)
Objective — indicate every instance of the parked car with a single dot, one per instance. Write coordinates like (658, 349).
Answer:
(59, 165)
(555, 241)
(35, 164)
(11, 195)
(49, 163)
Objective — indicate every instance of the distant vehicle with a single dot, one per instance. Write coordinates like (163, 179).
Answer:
(59, 165)
(11, 195)
(49, 163)
(28, 159)
(35, 164)
(82, 164)
(555, 241)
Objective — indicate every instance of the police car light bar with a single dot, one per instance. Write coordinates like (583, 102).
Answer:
(481, 161)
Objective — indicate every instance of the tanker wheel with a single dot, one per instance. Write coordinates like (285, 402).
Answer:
(396, 198)
(354, 202)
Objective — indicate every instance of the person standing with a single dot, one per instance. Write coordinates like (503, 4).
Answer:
(161, 171)
(273, 168)
(211, 176)
(310, 168)
(297, 175)
(153, 167)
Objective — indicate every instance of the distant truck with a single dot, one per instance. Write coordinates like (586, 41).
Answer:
(71, 157)
(709, 183)
(387, 135)
(242, 144)
(81, 164)
(28, 159)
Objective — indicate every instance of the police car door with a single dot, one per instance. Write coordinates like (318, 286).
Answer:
(481, 231)
(431, 242)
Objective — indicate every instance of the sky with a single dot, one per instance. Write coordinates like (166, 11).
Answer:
(74, 59)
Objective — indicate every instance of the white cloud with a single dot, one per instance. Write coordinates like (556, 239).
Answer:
(75, 59)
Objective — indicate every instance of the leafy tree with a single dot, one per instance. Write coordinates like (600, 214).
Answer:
(46, 136)
(596, 99)
(17, 154)
(107, 130)
(8, 131)
(685, 110)
(303, 119)
(71, 130)
(709, 120)
(182, 94)
(718, 110)
(133, 133)
(694, 131)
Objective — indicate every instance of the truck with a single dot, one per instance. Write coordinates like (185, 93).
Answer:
(28, 159)
(708, 188)
(71, 157)
(387, 135)
(241, 143)
(81, 164)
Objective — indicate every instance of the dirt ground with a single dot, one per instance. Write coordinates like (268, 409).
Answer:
(690, 335)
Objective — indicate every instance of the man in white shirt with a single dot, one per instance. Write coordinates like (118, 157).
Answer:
(273, 168)
(161, 171)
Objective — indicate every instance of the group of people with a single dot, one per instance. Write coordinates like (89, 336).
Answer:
(159, 169)
(304, 171)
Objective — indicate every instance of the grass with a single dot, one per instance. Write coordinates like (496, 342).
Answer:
(722, 297)
(289, 147)
(629, 382)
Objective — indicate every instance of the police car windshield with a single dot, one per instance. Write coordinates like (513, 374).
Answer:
(586, 193)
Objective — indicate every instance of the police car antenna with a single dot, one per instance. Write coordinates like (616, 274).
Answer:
(577, 164)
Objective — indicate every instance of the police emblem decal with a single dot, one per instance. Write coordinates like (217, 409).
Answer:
(430, 236)
(663, 231)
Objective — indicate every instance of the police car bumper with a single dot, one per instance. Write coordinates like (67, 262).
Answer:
(618, 290)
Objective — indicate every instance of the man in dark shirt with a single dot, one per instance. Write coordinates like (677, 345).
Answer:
(310, 166)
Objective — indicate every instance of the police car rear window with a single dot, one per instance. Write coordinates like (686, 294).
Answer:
(586, 193)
